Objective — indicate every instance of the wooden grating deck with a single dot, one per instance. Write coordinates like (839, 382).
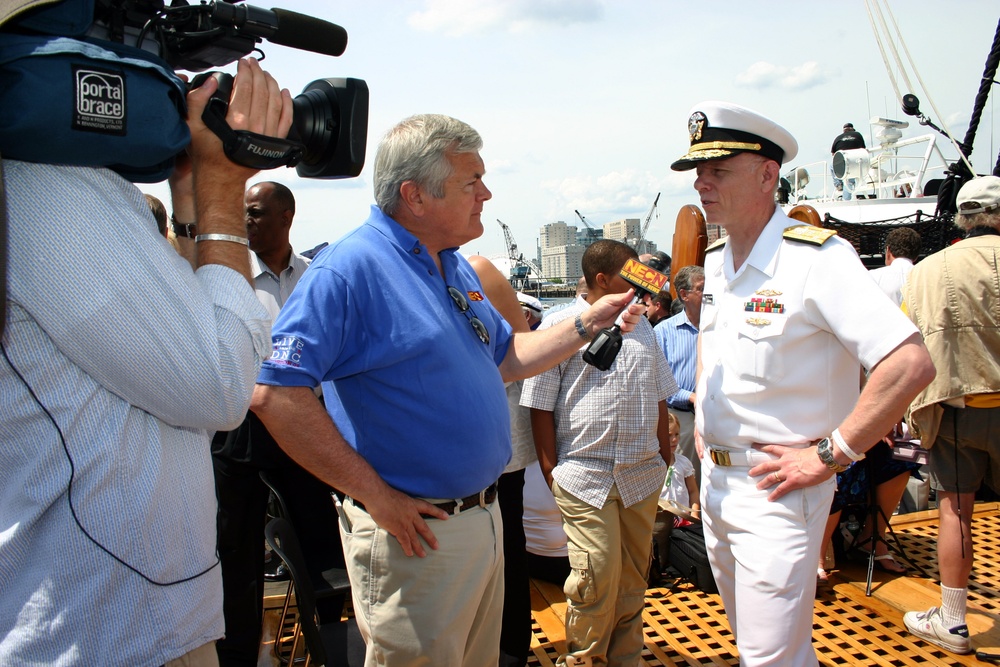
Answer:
(686, 627)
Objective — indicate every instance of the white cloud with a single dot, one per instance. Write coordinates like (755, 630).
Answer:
(460, 17)
(763, 75)
(604, 198)
(502, 166)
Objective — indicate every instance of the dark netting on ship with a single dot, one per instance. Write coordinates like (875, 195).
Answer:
(868, 238)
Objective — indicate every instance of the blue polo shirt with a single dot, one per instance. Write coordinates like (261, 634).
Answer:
(405, 377)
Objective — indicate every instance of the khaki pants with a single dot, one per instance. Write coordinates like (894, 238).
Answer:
(609, 552)
(203, 656)
(443, 609)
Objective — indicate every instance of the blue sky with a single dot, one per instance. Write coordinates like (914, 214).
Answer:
(583, 104)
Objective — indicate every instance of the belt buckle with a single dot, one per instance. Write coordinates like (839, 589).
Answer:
(720, 457)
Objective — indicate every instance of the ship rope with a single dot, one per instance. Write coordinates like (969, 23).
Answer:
(884, 38)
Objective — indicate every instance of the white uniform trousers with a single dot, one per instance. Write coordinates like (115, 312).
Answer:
(764, 556)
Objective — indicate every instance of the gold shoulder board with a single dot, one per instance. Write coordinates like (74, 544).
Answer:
(718, 244)
(808, 234)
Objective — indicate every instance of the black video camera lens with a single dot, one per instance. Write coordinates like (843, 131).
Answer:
(331, 120)
(329, 128)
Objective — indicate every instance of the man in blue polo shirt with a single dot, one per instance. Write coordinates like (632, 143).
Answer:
(412, 357)
(678, 336)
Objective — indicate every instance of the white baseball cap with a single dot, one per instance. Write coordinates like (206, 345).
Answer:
(979, 195)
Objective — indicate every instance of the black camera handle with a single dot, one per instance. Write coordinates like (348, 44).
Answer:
(249, 149)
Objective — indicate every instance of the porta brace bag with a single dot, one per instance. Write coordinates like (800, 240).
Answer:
(90, 103)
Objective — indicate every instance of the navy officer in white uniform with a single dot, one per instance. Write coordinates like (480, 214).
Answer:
(789, 319)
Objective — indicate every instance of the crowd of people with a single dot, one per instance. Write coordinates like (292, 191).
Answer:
(438, 436)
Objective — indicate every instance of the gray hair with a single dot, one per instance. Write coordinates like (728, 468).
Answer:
(417, 150)
(685, 278)
(966, 221)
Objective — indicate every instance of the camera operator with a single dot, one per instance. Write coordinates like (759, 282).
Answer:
(117, 362)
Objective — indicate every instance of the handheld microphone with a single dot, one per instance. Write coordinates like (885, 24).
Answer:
(647, 279)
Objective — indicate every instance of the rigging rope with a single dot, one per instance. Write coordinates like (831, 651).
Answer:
(961, 149)
(873, 5)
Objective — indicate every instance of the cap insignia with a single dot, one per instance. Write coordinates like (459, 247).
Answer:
(696, 123)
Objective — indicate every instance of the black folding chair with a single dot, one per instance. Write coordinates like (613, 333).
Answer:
(335, 581)
(333, 644)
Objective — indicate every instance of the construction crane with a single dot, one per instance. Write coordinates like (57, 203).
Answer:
(645, 225)
(591, 234)
(520, 268)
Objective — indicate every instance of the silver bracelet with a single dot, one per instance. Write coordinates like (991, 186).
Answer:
(222, 237)
(843, 446)
(580, 329)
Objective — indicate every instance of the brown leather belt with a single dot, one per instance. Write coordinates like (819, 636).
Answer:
(459, 505)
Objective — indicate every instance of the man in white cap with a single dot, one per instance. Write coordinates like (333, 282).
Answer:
(777, 407)
(532, 309)
(957, 416)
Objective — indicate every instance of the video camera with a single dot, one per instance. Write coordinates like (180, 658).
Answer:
(209, 34)
(330, 121)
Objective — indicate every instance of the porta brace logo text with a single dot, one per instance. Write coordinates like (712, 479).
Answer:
(100, 100)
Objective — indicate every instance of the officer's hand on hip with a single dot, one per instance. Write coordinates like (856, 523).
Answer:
(795, 468)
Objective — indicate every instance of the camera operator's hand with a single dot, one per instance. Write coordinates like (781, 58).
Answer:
(256, 105)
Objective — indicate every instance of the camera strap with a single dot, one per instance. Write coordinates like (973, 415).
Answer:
(250, 149)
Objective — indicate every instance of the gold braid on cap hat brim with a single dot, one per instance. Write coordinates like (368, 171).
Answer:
(731, 145)
(710, 150)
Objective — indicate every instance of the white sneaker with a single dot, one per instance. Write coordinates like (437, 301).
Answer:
(929, 626)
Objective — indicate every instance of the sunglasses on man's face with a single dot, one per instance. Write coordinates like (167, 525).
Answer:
(463, 306)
